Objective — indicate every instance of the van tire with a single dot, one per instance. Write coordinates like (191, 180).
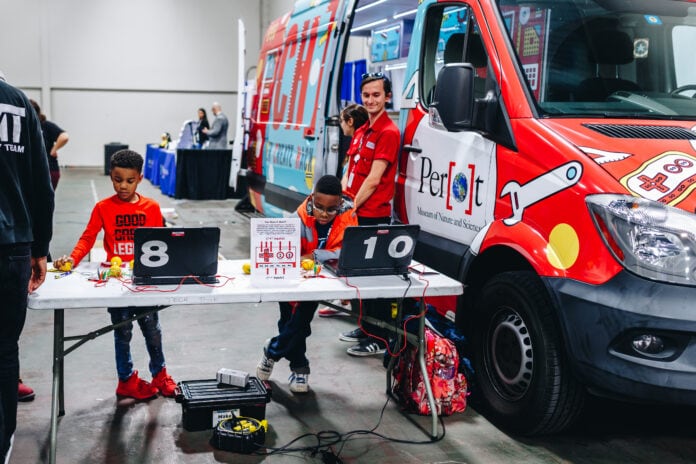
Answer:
(523, 383)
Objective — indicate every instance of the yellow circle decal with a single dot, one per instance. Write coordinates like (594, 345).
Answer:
(564, 247)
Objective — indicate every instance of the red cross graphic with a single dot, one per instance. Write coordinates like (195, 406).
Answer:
(656, 182)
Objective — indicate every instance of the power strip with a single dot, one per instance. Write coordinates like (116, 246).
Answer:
(232, 377)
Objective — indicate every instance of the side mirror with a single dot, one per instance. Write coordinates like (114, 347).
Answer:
(453, 100)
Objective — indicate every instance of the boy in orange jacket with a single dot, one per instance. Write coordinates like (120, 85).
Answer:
(324, 216)
(119, 216)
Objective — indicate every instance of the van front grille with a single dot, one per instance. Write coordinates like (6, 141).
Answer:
(633, 131)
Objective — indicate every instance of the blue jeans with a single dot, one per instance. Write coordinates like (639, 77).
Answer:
(294, 326)
(150, 327)
(15, 271)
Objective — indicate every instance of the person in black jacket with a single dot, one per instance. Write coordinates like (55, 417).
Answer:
(26, 218)
(201, 136)
(55, 138)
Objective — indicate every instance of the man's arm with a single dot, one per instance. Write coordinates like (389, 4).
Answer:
(38, 273)
(41, 201)
(216, 129)
(371, 182)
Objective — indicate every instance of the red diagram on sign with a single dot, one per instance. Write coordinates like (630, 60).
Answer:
(276, 256)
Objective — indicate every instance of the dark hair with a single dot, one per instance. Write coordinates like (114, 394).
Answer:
(357, 113)
(328, 185)
(205, 115)
(37, 108)
(128, 159)
(371, 77)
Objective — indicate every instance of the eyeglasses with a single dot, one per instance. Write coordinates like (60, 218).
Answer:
(329, 211)
(376, 75)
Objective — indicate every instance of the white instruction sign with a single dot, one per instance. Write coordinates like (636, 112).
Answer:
(275, 251)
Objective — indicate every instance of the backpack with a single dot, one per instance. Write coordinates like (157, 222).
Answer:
(449, 387)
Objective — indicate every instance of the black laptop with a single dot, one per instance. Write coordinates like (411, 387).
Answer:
(375, 250)
(166, 255)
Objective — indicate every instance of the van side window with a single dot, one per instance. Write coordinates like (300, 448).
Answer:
(451, 36)
(269, 65)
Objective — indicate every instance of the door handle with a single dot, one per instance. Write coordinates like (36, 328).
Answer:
(412, 149)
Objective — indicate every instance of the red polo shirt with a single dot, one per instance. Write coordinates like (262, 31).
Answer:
(380, 141)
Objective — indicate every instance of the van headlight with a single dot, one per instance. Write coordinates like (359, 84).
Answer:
(650, 239)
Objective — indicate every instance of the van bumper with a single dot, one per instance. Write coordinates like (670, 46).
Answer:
(600, 322)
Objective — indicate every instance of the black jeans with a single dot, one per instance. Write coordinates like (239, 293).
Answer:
(15, 271)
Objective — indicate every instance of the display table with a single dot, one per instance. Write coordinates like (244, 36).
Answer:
(75, 291)
(160, 168)
(202, 174)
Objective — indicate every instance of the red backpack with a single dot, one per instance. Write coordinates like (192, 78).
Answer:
(448, 385)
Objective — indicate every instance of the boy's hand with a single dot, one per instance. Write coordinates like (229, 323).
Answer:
(63, 262)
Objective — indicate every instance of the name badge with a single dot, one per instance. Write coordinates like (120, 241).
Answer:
(370, 145)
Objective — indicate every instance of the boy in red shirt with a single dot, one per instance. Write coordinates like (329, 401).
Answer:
(119, 216)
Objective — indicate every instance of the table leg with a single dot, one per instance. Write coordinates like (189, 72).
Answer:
(426, 377)
(57, 397)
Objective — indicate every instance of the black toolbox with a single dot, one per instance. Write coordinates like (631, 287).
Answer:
(205, 402)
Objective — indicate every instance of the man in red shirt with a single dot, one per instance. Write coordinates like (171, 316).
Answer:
(370, 181)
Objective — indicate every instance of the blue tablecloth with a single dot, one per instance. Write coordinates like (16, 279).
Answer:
(160, 168)
(167, 174)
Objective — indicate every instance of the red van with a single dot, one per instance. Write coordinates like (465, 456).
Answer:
(549, 157)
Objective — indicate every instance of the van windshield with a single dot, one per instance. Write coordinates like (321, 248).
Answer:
(611, 58)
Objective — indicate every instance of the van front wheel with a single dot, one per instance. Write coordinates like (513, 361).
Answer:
(523, 383)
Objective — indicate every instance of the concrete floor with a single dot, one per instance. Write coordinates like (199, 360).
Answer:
(346, 394)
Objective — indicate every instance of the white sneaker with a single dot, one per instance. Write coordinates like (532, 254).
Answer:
(299, 383)
(264, 368)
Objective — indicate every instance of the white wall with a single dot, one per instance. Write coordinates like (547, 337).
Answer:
(127, 70)
(273, 9)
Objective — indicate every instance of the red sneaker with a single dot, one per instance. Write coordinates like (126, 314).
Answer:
(165, 383)
(25, 392)
(327, 311)
(135, 387)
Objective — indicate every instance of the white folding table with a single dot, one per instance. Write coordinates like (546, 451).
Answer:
(76, 291)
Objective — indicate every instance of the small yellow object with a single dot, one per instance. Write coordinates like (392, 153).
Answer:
(246, 267)
(66, 267)
(307, 264)
(115, 271)
(116, 261)
(131, 263)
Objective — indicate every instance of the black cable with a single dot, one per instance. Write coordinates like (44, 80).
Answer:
(326, 439)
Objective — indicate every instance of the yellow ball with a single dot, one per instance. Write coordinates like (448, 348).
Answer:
(116, 261)
(246, 267)
(307, 264)
(66, 267)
